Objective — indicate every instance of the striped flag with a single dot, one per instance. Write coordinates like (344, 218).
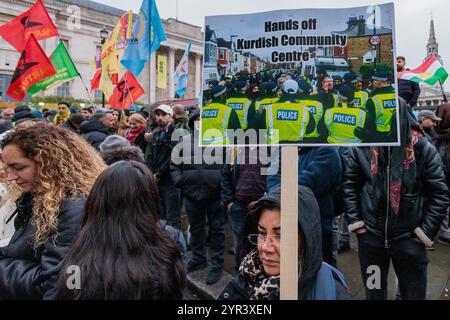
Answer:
(430, 72)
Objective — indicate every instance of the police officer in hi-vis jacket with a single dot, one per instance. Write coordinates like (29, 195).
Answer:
(217, 118)
(286, 121)
(346, 122)
(381, 109)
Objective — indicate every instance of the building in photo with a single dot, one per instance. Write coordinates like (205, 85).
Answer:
(83, 42)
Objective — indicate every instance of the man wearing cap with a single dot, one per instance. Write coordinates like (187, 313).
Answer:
(22, 113)
(350, 78)
(158, 161)
(243, 106)
(428, 121)
(269, 92)
(217, 118)
(345, 123)
(314, 106)
(381, 108)
(286, 121)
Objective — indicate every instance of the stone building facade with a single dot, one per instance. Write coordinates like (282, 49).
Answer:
(83, 41)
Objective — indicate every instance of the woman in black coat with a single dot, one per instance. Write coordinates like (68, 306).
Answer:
(55, 170)
(120, 227)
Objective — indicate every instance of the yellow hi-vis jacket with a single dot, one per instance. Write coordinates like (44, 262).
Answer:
(385, 108)
(286, 122)
(241, 106)
(316, 109)
(215, 118)
(263, 103)
(341, 124)
(361, 98)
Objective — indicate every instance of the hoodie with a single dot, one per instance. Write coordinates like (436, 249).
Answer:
(318, 280)
(94, 132)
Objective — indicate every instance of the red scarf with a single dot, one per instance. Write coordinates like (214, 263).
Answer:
(132, 135)
(408, 163)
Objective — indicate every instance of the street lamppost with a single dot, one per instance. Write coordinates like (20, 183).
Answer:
(231, 50)
(103, 37)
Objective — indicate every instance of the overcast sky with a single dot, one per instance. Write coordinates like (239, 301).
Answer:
(412, 18)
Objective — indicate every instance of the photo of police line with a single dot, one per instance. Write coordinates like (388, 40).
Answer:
(290, 108)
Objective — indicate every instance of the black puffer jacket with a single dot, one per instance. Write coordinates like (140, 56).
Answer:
(197, 180)
(29, 273)
(94, 132)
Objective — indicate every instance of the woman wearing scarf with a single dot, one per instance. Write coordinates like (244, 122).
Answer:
(137, 132)
(259, 272)
(395, 200)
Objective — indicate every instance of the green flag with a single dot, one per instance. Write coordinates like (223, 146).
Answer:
(65, 71)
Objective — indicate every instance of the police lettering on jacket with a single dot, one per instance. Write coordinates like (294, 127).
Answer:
(213, 113)
(312, 109)
(389, 104)
(236, 106)
(344, 119)
(287, 115)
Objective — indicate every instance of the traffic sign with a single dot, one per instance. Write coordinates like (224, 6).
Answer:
(375, 40)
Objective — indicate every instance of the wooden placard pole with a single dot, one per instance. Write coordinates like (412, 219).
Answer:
(289, 223)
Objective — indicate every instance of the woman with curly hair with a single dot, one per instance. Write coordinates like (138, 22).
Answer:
(122, 251)
(55, 170)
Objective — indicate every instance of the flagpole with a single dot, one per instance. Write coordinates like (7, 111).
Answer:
(87, 90)
(443, 92)
(150, 58)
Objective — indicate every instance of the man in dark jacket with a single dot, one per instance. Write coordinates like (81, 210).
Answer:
(200, 184)
(428, 121)
(408, 90)
(319, 169)
(158, 161)
(98, 128)
(395, 200)
(316, 280)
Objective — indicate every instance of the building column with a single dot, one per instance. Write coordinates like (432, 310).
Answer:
(198, 73)
(171, 73)
(152, 91)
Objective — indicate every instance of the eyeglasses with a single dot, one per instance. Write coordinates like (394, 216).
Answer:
(260, 238)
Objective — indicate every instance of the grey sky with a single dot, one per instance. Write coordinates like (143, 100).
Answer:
(412, 18)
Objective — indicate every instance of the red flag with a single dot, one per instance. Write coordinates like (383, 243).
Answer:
(33, 66)
(128, 90)
(35, 21)
(95, 81)
(115, 78)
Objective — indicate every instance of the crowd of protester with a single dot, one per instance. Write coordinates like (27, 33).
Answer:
(99, 192)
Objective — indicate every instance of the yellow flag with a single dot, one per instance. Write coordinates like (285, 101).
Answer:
(112, 51)
(162, 72)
